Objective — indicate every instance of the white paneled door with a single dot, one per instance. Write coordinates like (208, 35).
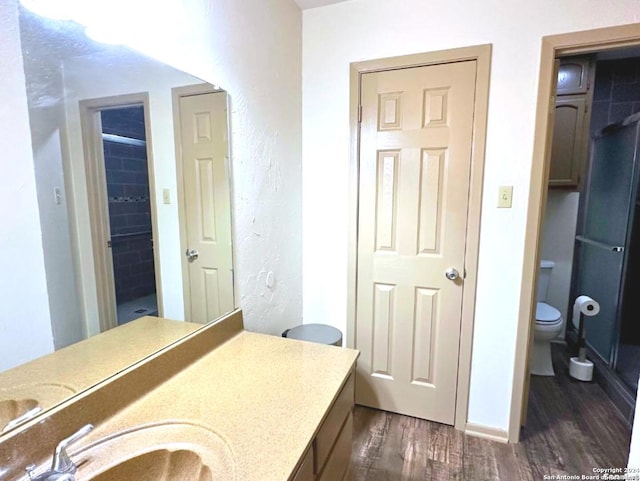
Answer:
(204, 147)
(415, 159)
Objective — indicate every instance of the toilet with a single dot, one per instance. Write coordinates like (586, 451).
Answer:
(548, 325)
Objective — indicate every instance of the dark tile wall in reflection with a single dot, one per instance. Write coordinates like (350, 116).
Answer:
(616, 92)
(129, 205)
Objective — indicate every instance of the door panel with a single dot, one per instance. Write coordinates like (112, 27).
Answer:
(415, 151)
(203, 127)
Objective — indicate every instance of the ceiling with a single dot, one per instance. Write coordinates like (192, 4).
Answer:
(305, 4)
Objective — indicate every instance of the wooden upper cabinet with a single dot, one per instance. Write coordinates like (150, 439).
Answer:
(573, 76)
(570, 144)
(568, 147)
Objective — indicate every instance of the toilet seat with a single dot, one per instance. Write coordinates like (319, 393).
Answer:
(546, 314)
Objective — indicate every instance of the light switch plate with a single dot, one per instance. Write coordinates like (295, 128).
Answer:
(57, 195)
(505, 195)
(166, 196)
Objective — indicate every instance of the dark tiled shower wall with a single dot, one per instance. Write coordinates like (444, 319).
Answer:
(133, 267)
(127, 122)
(129, 206)
(616, 92)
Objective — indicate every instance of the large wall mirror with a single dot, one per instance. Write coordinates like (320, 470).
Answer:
(132, 173)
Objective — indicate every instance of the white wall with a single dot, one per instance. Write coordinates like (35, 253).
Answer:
(336, 35)
(45, 94)
(558, 241)
(25, 329)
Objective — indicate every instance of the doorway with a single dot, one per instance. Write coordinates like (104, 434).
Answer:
(589, 42)
(589, 220)
(408, 364)
(119, 172)
(131, 240)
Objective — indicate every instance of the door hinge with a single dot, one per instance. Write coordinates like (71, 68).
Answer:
(109, 244)
(359, 113)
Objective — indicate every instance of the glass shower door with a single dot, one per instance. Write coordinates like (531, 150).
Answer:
(607, 210)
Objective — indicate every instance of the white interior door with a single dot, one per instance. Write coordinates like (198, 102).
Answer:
(204, 147)
(415, 155)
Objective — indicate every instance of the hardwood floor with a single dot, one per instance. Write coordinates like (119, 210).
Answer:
(572, 427)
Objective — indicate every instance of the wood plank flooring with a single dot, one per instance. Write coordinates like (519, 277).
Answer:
(572, 427)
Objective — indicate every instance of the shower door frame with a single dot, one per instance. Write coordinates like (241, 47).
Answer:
(91, 127)
(612, 361)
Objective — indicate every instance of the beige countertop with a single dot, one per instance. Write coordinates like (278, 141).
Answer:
(264, 396)
(53, 378)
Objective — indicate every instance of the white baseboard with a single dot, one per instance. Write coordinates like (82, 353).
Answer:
(486, 432)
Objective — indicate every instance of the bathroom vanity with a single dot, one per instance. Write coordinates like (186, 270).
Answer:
(222, 403)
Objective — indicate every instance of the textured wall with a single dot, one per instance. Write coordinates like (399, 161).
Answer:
(25, 326)
(45, 88)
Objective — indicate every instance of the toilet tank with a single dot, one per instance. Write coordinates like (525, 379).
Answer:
(543, 279)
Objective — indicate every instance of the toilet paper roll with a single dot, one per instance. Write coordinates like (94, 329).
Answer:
(584, 305)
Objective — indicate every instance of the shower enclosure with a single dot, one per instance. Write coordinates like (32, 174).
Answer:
(605, 256)
(131, 234)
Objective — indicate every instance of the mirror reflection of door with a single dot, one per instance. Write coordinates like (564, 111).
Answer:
(200, 118)
(128, 202)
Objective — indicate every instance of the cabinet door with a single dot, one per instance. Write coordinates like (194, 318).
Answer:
(573, 76)
(570, 141)
(340, 456)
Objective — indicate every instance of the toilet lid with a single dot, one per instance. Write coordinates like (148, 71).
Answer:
(546, 313)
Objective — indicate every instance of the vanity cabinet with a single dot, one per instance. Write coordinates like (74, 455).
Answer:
(329, 456)
(221, 433)
(570, 142)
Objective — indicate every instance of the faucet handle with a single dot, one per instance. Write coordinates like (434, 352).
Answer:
(61, 461)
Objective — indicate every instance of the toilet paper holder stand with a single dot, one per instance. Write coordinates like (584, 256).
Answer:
(582, 340)
(580, 367)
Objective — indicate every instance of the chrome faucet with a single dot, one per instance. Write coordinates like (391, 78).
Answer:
(62, 468)
(20, 419)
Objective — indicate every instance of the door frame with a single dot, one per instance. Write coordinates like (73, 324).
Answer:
(91, 128)
(482, 55)
(583, 42)
(176, 94)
